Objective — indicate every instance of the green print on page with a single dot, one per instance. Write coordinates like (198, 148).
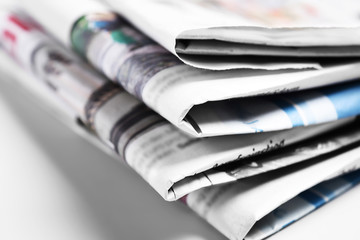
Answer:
(80, 36)
(120, 37)
(88, 26)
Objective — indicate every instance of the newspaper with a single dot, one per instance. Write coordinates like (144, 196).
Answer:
(199, 31)
(259, 230)
(233, 209)
(153, 147)
(196, 100)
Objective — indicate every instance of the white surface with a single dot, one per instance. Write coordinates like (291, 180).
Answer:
(56, 185)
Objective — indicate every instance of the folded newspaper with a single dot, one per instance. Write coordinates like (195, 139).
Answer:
(237, 210)
(255, 208)
(172, 162)
(214, 34)
(301, 205)
(227, 205)
(196, 100)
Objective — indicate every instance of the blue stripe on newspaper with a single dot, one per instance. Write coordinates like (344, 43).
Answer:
(312, 198)
(333, 189)
(287, 224)
(353, 177)
(329, 193)
(346, 99)
(290, 110)
(304, 107)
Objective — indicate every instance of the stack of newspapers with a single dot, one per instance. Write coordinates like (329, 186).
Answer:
(245, 110)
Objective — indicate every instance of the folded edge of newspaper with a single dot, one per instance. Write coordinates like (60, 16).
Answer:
(334, 141)
(303, 204)
(233, 209)
(290, 25)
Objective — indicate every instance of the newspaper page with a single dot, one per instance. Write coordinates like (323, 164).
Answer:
(233, 209)
(153, 147)
(199, 31)
(195, 100)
